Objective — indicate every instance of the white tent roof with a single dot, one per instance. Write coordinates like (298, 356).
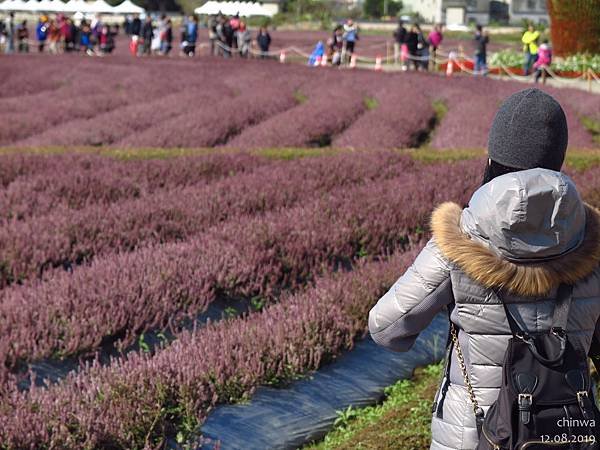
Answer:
(127, 7)
(19, 5)
(73, 6)
(11, 5)
(210, 8)
(231, 8)
(100, 7)
(46, 5)
(94, 7)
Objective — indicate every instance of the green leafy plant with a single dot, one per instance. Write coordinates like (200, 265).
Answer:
(371, 103)
(300, 96)
(579, 62)
(257, 303)
(345, 416)
(230, 312)
(143, 344)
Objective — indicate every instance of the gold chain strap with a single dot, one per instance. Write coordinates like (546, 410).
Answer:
(463, 368)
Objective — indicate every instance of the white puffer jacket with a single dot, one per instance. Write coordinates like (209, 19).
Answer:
(526, 232)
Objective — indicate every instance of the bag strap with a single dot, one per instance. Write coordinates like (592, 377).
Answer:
(561, 310)
(558, 326)
(477, 410)
(563, 303)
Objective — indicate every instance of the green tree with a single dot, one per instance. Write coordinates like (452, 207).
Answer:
(574, 26)
(380, 8)
(307, 10)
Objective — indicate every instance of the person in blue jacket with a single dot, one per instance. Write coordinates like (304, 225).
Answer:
(316, 54)
(191, 35)
(41, 32)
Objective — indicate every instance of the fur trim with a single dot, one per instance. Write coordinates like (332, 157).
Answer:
(525, 279)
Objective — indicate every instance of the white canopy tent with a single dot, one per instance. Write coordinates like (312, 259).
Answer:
(72, 6)
(209, 8)
(76, 6)
(244, 9)
(46, 5)
(100, 7)
(12, 5)
(33, 5)
(127, 7)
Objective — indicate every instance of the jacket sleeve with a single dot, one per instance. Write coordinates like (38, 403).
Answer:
(415, 298)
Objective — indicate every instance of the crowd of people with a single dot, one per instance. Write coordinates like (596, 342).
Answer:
(229, 36)
(62, 34)
(339, 48)
(411, 47)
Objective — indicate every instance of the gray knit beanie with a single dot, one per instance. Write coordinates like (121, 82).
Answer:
(529, 131)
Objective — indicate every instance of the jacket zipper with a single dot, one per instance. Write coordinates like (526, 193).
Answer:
(487, 438)
(546, 443)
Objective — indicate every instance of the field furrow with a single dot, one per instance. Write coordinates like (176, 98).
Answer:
(117, 123)
(67, 237)
(218, 363)
(216, 121)
(125, 294)
(313, 123)
(383, 127)
(95, 179)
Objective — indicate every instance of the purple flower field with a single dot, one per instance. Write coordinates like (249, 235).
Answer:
(247, 256)
(122, 102)
(137, 194)
(299, 329)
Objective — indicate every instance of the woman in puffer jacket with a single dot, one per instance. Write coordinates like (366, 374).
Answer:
(526, 231)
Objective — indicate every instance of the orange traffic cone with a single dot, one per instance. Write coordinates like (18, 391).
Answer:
(282, 57)
(353, 61)
(133, 45)
(378, 63)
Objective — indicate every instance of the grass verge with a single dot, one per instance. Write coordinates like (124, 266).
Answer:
(593, 126)
(404, 417)
(579, 160)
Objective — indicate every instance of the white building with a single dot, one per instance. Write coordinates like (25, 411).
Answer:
(271, 6)
(533, 10)
(456, 12)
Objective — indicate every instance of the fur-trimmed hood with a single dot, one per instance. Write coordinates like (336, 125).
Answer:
(526, 232)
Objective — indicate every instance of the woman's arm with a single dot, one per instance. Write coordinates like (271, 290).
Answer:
(412, 302)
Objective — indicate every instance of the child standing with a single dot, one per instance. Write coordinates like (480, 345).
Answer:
(544, 60)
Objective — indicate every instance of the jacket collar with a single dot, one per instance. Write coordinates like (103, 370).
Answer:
(525, 279)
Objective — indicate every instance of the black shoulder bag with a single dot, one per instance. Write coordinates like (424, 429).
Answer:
(546, 399)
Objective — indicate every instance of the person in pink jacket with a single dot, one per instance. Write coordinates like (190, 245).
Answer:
(435, 39)
(544, 60)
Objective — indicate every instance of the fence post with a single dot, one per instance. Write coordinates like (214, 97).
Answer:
(544, 74)
(387, 50)
(378, 63)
